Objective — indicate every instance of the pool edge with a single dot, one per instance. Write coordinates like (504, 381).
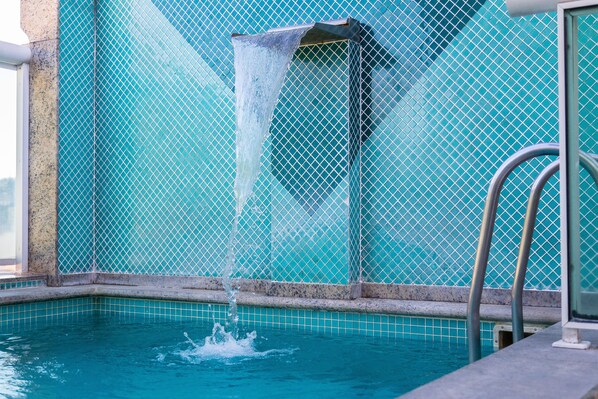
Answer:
(495, 313)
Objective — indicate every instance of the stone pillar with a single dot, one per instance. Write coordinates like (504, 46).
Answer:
(39, 20)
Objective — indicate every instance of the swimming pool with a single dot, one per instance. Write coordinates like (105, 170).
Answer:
(106, 347)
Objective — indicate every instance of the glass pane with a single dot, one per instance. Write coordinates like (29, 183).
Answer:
(10, 18)
(582, 190)
(8, 162)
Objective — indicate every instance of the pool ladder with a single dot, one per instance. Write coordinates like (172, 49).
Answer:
(588, 161)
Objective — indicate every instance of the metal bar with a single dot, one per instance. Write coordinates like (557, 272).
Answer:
(14, 54)
(518, 8)
(562, 26)
(486, 230)
(323, 32)
(337, 22)
(587, 161)
(22, 177)
(571, 155)
(524, 247)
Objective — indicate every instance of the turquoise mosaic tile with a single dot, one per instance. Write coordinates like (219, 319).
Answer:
(311, 191)
(321, 322)
(316, 321)
(449, 90)
(21, 284)
(32, 314)
(427, 166)
(77, 135)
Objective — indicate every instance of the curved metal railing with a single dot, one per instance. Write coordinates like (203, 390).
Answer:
(587, 161)
(486, 231)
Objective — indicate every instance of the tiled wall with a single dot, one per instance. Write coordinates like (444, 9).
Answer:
(13, 285)
(449, 91)
(13, 317)
(314, 198)
(33, 314)
(77, 137)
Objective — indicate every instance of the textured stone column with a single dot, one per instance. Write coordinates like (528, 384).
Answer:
(39, 20)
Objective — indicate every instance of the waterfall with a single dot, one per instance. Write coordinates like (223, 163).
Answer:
(261, 64)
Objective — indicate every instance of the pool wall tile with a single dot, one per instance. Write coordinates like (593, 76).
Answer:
(317, 321)
(21, 284)
(15, 317)
(33, 314)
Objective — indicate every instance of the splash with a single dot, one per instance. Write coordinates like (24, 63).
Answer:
(261, 63)
(222, 346)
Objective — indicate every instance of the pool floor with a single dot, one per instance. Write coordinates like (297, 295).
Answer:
(106, 356)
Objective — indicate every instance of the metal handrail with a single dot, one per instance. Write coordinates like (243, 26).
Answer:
(14, 54)
(486, 230)
(587, 161)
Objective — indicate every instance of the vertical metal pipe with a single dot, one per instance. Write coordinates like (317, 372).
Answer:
(22, 176)
(486, 230)
(589, 163)
(524, 247)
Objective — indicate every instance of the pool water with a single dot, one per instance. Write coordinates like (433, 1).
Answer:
(102, 356)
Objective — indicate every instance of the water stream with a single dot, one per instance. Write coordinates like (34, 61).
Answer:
(261, 64)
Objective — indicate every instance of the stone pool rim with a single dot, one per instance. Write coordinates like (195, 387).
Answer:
(435, 309)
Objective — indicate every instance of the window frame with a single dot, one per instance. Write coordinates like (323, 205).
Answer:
(17, 57)
(569, 148)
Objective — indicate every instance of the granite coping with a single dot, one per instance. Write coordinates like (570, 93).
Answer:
(491, 296)
(497, 313)
(531, 368)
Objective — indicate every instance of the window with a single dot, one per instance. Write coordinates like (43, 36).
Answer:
(8, 164)
(579, 55)
(14, 122)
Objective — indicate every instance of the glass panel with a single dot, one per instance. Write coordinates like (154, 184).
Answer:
(10, 21)
(8, 163)
(581, 190)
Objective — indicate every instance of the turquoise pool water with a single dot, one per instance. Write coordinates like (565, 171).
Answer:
(112, 356)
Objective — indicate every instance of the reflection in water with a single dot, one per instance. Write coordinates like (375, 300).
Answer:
(11, 383)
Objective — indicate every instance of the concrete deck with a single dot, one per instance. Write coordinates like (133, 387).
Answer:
(528, 369)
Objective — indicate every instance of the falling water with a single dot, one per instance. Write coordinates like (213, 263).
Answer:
(261, 63)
